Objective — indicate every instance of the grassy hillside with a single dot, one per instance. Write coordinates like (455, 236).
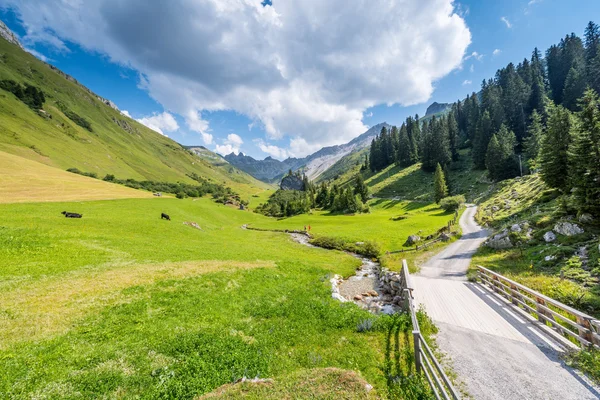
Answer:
(23, 180)
(115, 145)
(91, 308)
(411, 183)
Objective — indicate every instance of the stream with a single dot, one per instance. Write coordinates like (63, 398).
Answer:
(364, 288)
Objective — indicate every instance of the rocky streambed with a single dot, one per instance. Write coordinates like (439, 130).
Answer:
(373, 288)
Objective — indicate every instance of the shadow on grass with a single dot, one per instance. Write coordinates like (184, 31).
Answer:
(403, 382)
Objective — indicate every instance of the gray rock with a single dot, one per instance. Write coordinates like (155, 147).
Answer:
(444, 237)
(516, 228)
(586, 218)
(567, 229)
(550, 258)
(292, 182)
(397, 300)
(495, 208)
(412, 239)
(549, 237)
(499, 244)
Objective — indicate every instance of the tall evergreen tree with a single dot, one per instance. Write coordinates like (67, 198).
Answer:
(404, 154)
(585, 155)
(440, 190)
(482, 138)
(533, 140)
(501, 161)
(554, 157)
(574, 87)
(360, 188)
(453, 134)
(592, 41)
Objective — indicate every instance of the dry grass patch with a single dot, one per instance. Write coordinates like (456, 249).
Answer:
(46, 307)
(318, 383)
(23, 180)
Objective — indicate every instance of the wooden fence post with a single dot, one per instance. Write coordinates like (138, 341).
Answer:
(542, 314)
(586, 334)
(417, 350)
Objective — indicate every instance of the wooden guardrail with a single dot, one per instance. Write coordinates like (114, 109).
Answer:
(418, 247)
(425, 360)
(566, 320)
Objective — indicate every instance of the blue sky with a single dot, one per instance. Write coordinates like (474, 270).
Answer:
(500, 32)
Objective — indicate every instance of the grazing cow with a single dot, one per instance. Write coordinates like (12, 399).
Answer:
(165, 216)
(71, 215)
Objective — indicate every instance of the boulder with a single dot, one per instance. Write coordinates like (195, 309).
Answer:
(549, 258)
(413, 239)
(358, 297)
(516, 228)
(549, 237)
(586, 218)
(495, 208)
(499, 243)
(567, 229)
(292, 182)
(444, 237)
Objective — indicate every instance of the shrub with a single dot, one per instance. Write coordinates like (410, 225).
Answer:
(452, 203)
(109, 178)
(180, 195)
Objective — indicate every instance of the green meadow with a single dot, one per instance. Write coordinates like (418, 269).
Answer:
(122, 304)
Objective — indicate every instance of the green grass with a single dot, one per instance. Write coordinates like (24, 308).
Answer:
(121, 304)
(381, 225)
(132, 152)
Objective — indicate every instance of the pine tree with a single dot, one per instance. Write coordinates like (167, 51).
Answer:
(574, 87)
(481, 140)
(554, 159)
(440, 190)
(592, 42)
(585, 155)
(533, 140)
(404, 155)
(360, 188)
(501, 161)
(453, 135)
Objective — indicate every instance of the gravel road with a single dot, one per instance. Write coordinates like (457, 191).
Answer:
(497, 352)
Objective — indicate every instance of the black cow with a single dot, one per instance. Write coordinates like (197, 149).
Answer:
(71, 215)
(165, 216)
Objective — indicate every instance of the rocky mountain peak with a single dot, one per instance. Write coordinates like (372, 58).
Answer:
(8, 35)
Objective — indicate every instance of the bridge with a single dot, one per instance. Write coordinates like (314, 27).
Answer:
(503, 340)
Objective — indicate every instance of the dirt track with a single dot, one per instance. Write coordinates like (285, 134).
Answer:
(497, 352)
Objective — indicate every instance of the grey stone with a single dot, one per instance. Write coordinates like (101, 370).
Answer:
(499, 243)
(292, 182)
(516, 228)
(568, 229)
(412, 239)
(586, 218)
(550, 258)
(549, 237)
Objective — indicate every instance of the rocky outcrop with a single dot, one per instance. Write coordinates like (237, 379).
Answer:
(568, 229)
(292, 182)
(500, 241)
(8, 35)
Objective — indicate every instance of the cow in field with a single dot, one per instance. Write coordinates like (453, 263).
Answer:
(71, 215)
(165, 216)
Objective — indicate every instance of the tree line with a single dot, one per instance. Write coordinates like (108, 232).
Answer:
(541, 114)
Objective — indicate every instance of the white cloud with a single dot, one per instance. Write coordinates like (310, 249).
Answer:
(285, 66)
(506, 21)
(37, 54)
(530, 5)
(272, 150)
(497, 52)
(369, 114)
(467, 82)
(230, 145)
(126, 113)
(160, 123)
(474, 55)
(472, 69)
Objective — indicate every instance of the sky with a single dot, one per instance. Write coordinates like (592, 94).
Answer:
(284, 78)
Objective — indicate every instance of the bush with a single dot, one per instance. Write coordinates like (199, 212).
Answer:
(78, 119)
(180, 195)
(452, 203)
(109, 178)
(78, 172)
